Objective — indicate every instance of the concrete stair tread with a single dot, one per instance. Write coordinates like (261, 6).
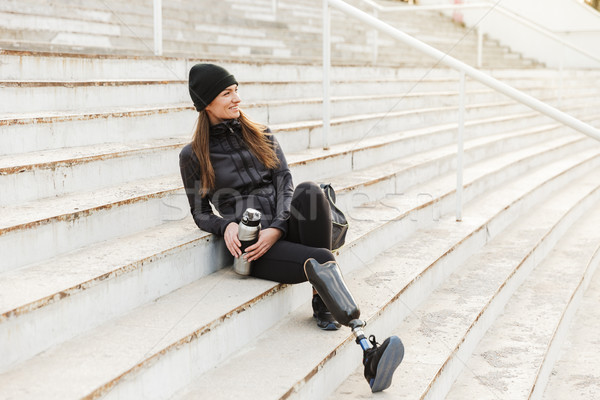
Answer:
(100, 112)
(536, 312)
(434, 331)
(373, 285)
(15, 163)
(379, 116)
(38, 285)
(71, 83)
(67, 115)
(576, 374)
(121, 344)
(73, 206)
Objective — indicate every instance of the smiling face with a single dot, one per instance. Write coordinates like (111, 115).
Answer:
(224, 106)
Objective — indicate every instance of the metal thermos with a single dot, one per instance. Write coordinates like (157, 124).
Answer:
(248, 234)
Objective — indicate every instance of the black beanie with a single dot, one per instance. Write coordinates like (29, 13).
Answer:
(206, 82)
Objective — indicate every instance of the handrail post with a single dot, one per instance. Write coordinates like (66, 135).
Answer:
(158, 45)
(375, 38)
(459, 151)
(326, 68)
(561, 68)
(479, 47)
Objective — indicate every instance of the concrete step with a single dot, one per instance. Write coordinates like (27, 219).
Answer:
(24, 65)
(441, 332)
(47, 299)
(321, 359)
(156, 354)
(32, 97)
(44, 66)
(67, 131)
(159, 194)
(37, 96)
(575, 374)
(36, 175)
(530, 330)
(308, 134)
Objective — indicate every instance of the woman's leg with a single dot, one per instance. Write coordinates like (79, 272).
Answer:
(310, 217)
(284, 262)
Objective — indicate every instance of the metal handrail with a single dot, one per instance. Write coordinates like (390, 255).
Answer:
(449, 61)
(522, 20)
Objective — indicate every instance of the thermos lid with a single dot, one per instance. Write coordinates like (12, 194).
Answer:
(251, 217)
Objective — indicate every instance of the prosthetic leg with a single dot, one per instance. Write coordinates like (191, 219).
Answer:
(380, 361)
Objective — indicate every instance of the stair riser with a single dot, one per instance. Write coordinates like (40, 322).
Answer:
(340, 133)
(55, 98)
(84, 176)
(91, 130)
(257, 91)
(312, 110)
(25, 66)
(23, 22)
(28, 99)
(41, 241)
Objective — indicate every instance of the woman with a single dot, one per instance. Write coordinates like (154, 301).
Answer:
(235, 164)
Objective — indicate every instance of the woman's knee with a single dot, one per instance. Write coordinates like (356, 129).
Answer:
(309, 187)
(309, 202)
(322, 255)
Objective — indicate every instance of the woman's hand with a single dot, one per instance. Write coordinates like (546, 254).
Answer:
(231, 239)
(266, 239)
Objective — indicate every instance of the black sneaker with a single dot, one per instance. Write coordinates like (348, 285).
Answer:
(324, 318)
(381, 361)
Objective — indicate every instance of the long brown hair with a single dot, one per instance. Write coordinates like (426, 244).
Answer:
(254, 135)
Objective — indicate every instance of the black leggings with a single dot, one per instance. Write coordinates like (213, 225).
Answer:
(308, 236)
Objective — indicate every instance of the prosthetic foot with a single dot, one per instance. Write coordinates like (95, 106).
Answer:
(380, 361)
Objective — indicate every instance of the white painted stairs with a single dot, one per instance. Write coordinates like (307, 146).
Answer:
(250, 29)
(109, 290)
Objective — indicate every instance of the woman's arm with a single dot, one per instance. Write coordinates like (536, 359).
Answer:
(284, 187)
(199, 206)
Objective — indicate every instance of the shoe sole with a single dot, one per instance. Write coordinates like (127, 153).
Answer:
(389, 361)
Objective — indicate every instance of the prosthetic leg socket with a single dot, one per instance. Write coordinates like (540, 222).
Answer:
(327, 280)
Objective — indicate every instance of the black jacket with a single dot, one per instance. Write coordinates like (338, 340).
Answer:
(241, 181)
